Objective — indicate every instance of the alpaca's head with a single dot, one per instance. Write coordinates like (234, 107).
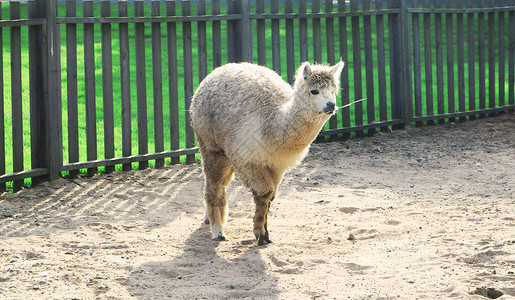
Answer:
(316, 87)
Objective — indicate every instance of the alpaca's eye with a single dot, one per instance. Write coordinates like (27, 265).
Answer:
(314, 92)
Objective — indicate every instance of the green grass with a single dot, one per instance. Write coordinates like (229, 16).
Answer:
(150, 112)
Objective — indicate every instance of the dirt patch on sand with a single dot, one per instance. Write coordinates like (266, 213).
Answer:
(415, 213)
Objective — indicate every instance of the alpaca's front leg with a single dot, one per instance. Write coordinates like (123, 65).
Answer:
(261, 218)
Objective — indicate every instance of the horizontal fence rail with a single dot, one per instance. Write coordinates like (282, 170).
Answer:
(104, 86)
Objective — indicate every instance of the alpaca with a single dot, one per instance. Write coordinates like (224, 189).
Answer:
(248, 120)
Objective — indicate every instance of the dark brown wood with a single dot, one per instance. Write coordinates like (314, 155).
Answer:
(329, 38)
(317, 36)
(428, 62)
(440, 86)
(417, 79)
(261, 33)
(107, 84)
(471, 74)
(501, 58)
(381, 66)
(369, 66)
(303, 32)
(126, 160)
(492, 80)
(201, 42)
(188, 79)
(89, 83)
(125, 82)
(450, 61)
(481, 57)
(141, 83)
(344, 80)
(173, 81)
(461, 58)
(511, 59)
(72, 98)
(157, 84)
(16, 96)
(400, 63)
(2, 118)
(245, 32)
(290, 44)
(276, 40)
(356, 55)
(217, 35)
(37, 67)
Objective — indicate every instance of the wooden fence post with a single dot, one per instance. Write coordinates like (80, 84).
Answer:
(239, 32)
(46, 136)
(402, 100)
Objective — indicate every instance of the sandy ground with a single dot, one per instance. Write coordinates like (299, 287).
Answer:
(415, 213)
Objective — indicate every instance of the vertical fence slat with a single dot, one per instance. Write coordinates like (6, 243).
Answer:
(342, 37)
(261, 34)
(400, 63)
(157, 83)
(89, 82)
(492, 32)
(303, 32)
(188, 78)
(276, 40)
(450, 61)
(141, 83)
(245, 32)
(290, 46)
(369, 66)
(440, 93)
(217, 35)
(329, 32)
(511, 59)
(125, 90)
(317, 38)
(2, 112)
(428, 62)
(36, 93)
(201, 41)
(417, 80)
(356, 55)
(173, 81)
(71, 85)
(461, 59)
(381, 65)
(107, 84)
(16, 95)
(502, 59)
(471, 74)
(481, 56)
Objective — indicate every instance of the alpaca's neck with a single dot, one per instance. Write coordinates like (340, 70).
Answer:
(296, 124)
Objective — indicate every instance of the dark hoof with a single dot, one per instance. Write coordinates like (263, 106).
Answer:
(263, 242)
(220, 238)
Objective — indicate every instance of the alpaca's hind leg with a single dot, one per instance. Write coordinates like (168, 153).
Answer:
(218, 172)
(263, 183)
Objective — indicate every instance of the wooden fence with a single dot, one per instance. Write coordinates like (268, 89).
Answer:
(91, 94)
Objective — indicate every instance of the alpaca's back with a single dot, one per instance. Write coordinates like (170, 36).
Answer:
(231, 104)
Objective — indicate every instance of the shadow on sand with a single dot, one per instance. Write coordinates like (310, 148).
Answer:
(202, 271)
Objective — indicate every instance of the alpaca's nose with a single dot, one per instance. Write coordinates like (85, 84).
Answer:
(329, 107)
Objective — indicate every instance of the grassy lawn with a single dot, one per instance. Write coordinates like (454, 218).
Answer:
(148, 57)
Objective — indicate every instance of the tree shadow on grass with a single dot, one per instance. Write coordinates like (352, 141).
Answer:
(202, 272)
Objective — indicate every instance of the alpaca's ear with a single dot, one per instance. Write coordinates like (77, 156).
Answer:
(306, 72)
(337, 69)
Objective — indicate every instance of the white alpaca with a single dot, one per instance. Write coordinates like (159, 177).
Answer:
(248, 120)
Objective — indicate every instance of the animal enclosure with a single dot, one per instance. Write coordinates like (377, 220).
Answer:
(99, 84)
